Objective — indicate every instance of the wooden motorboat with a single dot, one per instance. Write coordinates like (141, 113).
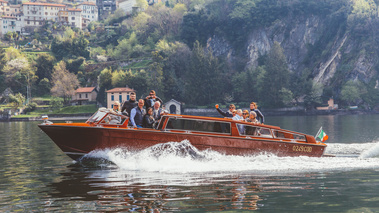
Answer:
(105, 130)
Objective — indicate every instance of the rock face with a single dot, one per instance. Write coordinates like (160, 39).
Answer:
(296, 35)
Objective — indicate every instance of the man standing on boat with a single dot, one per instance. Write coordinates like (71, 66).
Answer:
(151, 99)
(137, 113)
(130, 104)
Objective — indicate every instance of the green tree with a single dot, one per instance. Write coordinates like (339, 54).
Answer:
(20, 74)
(352, 92)
(16, 101)
(277, 76)
(105, 78)
(203, 79)
(44, 66)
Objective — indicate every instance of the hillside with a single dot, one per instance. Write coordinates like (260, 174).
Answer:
(276, 52)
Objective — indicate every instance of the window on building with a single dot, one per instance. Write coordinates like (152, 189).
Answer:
(127, 97)
(80, 95)
(72, 18)
(120, 98)
(112, 97)
(86, 95)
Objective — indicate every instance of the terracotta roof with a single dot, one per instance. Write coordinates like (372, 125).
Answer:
(121, 89)
(84, 89)
(44, 4)
(9, 17)
(89, 3)
(74, 9)
(3, 1)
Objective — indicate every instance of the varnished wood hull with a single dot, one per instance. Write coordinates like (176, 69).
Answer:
(76, 141)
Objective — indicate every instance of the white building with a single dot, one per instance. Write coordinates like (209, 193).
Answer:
(75, 17)
(36, 13)
(10, 24)
(89, 11)
(3, 7)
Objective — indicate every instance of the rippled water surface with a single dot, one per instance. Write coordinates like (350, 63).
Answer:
(175, 177)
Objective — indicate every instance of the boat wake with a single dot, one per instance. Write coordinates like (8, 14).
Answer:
(182, 157)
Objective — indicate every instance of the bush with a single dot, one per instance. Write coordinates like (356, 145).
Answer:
(30, 107)
(56, 103)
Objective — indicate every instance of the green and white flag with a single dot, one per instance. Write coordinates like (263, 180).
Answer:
(322, 135)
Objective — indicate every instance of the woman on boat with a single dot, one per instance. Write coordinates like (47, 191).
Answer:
(252, 118)
(148, 119)
(116, 110)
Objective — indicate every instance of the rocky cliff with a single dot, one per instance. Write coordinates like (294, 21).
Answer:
(299, 37)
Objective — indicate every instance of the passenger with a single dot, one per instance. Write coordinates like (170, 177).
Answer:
(129, 104)
(228, 114)
(157, 111)
(259, 115)
(112, 117)
(137, 113)
(151, 99)
(238, 115)
(116, 107)
(148, 119)
(245, 114)
(252, 118)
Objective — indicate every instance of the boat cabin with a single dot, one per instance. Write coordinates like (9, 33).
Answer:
(204, 125)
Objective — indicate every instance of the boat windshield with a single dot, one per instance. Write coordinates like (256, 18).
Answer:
(97, 116)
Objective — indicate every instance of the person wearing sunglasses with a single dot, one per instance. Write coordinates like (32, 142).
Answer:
(228, 114)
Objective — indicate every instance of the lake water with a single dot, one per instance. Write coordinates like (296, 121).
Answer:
(36, 176)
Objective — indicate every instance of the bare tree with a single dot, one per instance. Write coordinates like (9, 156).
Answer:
(64, 82)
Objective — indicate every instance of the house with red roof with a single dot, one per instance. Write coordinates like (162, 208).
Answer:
(83, 95)
(120, 94)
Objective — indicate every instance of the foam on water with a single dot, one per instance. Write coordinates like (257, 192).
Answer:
(182, 157)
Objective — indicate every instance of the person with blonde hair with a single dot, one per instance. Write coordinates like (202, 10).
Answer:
(116, 107)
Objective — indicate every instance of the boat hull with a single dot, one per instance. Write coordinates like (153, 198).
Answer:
(77, 141)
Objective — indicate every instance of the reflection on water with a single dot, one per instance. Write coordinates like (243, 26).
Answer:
(36, 176)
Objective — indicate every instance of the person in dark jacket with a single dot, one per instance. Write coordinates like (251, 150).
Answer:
(151, 99)
(148, 119)
(157, 111)
(137, 113)
(228, 114)
(129, 104)
(254, 108)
